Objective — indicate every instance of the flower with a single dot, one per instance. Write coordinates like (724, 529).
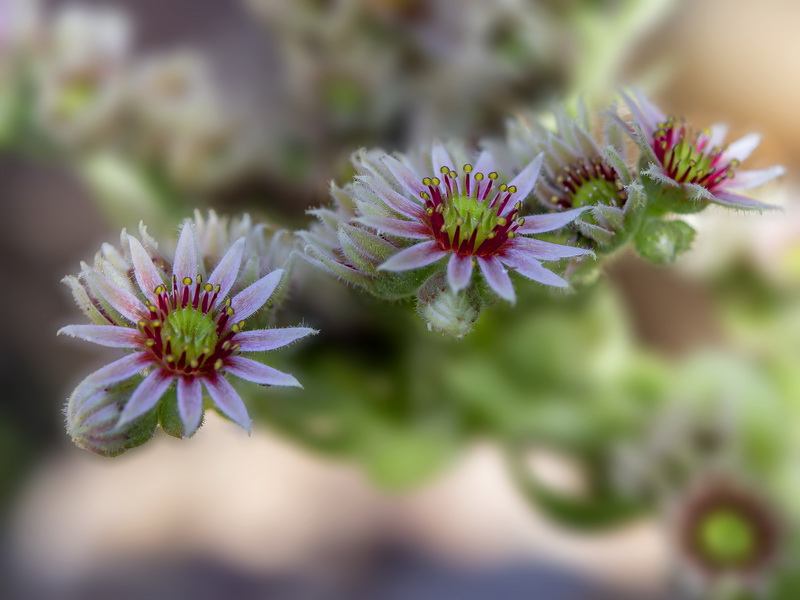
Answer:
(726, 533)
(180, 325)
(698, 162)
(579, 173)
(470, 218)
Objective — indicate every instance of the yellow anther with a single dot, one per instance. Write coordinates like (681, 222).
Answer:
(237, 347)
(478, 176)
(208, 287)
(226, 345)
(444, 170)
(206, 350)
(160, 289)
(512, 189)
(142, 324)
(187, 281)
(199, 278)
(217, 288)
(735, 163)
(521, 221)
(229, 310)
(235, 329)
(554, 199)
(425, 195)
(503, 187)
(459, 221)
(150, 343)
(426, 181)
(429, 211)
(518, 205)
(436, 181)
(152, 308)
(501, 221)
(170, 358)
(467, 168)
(193, 363)
(511, 235)
(218, 364)
(491, 235)
(492, 175)
(242, 324)
(453, 174)
(156, 323)
(227, 302)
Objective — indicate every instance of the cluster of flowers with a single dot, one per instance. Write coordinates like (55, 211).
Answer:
(71, 77)
(418, 224)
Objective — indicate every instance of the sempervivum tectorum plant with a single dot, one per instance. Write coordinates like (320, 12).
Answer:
(580, 173)
(727, 536)
(696, 163)
(405, 219)
(184, 333)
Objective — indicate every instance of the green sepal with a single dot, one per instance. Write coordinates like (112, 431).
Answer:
(365, 250)
(447, 311)
(661, 242)
(348, 274)
(168, 416)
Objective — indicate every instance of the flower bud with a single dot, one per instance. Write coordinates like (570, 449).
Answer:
(452, 313)
(661, 242)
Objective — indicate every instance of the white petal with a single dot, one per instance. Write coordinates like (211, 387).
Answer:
(250, 299)
(532, 269)
(257, 372)
(112, 336)
(190, 404)
(398, 227)
(525, 181)
(497, 278)
(227, 270)
(146, 396)
(228, 401)
(125, 303)
(440, 158)
(147, 276)
(549, 222)
(485, 163)
(459, 272)
(185, 264)
(414, 257)
(742, 148)
(739, 201)
(407, 178)
(746, 180)
(261, 340)
(545, 250)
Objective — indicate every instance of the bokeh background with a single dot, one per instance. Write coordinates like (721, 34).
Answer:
(291, 513)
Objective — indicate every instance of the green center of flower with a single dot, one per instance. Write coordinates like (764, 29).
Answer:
(727, 537)
(688, 157)
(587, 182)
(470, 215)
(191, 331)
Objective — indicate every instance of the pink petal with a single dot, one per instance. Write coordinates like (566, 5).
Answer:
(645, 112)
(261, 340)
(407, 178)
(228, 401)
(545, 250)
(117, 371)
(459, 272)
(497, 278)
(146, 396)
(249, 300)
(746, 180)
(393, 200)
(147, 276)
(112, 336)
(485, 163)
(441, 158)
(414, 257)
(549, 222)
(125, 303)
(742, 148)
(186, 254)
(227, 270)
(190, 404)
(525, 181)
(259, 373)
(532, 269)
(407, 229)
(718, 133)
(739, 201)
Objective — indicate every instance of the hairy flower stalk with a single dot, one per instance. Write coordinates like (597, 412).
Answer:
(698, 162)
(183, 330)
(470, 217)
